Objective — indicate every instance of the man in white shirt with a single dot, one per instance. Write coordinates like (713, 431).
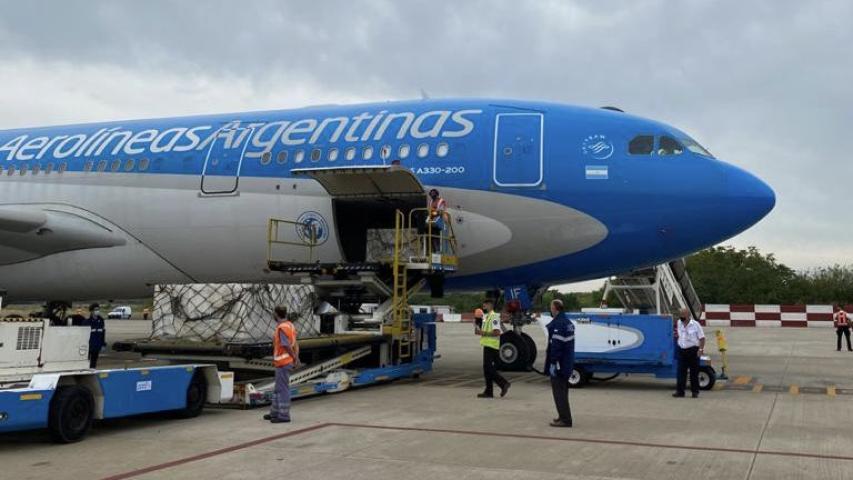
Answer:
(691, 345)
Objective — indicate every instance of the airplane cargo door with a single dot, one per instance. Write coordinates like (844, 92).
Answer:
(518, 149)
(221, 172)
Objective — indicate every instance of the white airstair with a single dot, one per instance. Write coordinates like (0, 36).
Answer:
(663, 289)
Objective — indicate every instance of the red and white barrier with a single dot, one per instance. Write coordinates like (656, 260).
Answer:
(717, 315)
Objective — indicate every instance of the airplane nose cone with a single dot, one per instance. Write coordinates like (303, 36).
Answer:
(749, 199)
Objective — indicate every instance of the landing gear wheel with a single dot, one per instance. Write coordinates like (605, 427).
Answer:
(513, 353)
(72, 410)
(578, 378)
(707, 377)
(531, 348)
(196, 396)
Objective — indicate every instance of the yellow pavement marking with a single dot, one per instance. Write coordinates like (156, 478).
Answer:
(794, 390)
(830, 390)
(742, 380)
(757, 388)
(719, 385)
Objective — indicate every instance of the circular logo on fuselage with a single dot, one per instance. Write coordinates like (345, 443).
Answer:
(312, 225)
(597, 146)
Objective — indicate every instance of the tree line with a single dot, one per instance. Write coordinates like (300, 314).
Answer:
(721, 274)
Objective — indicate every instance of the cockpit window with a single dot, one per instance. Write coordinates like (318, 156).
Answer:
(694, 147)
(641, 145)
(669, 146)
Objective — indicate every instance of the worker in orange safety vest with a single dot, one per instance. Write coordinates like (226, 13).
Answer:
(285, 359)
(842, 327)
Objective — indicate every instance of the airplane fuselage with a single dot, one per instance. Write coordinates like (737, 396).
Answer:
(540, 193)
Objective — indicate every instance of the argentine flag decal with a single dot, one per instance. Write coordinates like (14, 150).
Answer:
(596, 172)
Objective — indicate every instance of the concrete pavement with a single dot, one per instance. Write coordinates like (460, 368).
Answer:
(435, 427)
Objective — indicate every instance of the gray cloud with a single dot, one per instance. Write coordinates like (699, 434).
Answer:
(763, 84)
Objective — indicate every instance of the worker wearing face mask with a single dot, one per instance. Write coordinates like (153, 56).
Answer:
(98, 335)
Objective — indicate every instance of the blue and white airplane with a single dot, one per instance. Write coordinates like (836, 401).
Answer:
(540, 193)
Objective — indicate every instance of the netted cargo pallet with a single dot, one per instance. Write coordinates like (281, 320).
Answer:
(229, 312)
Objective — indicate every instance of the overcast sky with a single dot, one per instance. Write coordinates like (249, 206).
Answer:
(764, 85)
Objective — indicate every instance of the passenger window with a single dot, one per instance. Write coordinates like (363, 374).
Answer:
(300, 155)
(333, 154)
(115, 166)
(316, 155)
(669, 146)
(143, 164)
(641, 145)
(423, 150)
(404, 151)
(385, 152)
(266, 158)
(128, 166)
(88, 166)
(367, 153)
(281, 158)
(350, 153)
(442, 150)
(102, 165)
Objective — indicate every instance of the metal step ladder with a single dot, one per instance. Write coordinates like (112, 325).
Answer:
(663, 289)
(390, 281)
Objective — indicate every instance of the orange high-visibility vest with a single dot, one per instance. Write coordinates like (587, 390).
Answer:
(280, 356)
(841, 319)
(438, 205)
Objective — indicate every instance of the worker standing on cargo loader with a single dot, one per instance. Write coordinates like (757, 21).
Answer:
(842, 326)
(559, 362)
(98, 334)
(691, 345)
(490, 340)
(285, 358)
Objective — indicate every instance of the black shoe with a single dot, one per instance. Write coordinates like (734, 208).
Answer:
(694, 395)
(561, 424)
(485, 395)
(505, 389)
(280, 420)
(267, 417)
(678, 395)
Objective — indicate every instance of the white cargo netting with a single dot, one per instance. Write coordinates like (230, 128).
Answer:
(229, 312)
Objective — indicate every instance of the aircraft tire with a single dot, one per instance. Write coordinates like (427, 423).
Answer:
(513, 353)
(531, 348)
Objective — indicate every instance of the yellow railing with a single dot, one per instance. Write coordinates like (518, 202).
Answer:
(444, 239)
(308, 239)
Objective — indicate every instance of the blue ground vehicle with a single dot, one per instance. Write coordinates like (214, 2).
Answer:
(45, 382)
(608, 345)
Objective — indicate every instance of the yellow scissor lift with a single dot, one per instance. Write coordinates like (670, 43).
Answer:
(420, 250)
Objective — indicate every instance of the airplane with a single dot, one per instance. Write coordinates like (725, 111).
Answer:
(540, 193)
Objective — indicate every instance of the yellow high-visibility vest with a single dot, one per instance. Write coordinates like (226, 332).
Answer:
(491, 322)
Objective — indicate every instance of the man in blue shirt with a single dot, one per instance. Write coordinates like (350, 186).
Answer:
(560, 361)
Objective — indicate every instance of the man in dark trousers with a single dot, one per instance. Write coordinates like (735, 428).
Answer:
(98, 335)
(842, 327)
(490, 340)
(691, 345)
(560, 361)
